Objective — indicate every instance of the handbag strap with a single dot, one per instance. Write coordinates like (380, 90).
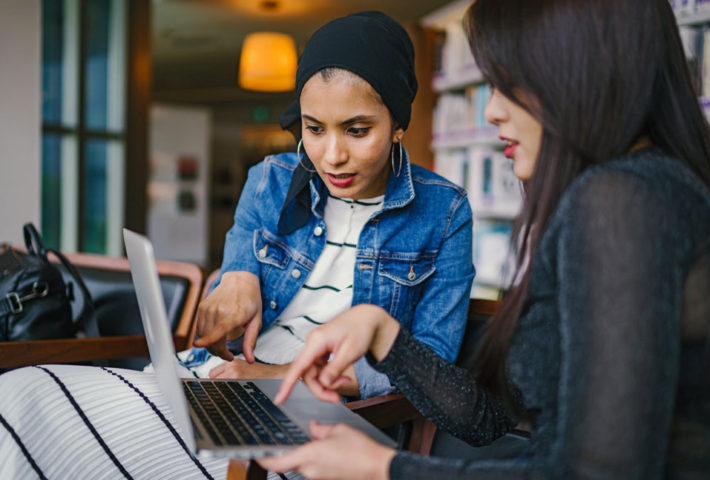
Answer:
(33, 241)
(87, 318)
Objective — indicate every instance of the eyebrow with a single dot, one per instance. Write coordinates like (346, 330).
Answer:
(349, 121)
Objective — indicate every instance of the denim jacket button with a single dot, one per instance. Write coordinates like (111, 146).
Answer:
(295, 273)
(411, 276)
(262, 253)
(318, 231)
(273, 305)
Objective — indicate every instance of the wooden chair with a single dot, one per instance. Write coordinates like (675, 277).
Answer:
(109, 282)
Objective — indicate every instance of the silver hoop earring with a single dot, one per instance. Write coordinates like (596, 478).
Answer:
(398, 170)
(298, 154)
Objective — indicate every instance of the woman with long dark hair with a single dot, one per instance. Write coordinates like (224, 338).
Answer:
(602, 342)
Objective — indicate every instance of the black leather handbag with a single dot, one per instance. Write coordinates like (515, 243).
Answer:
(35, 302)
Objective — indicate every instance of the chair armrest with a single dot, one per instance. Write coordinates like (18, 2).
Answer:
(385, 410)
(245, 470)
(71, 350)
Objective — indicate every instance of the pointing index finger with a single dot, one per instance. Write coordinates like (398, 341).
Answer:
(306, 359)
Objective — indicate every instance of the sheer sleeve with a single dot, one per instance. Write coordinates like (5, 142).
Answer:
(445, 394)
(448, 396)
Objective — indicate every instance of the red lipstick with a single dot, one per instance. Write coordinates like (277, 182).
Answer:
(511, 146)
(342, 180)
(509, 151)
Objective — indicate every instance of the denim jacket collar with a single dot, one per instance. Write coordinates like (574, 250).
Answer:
(399, 192)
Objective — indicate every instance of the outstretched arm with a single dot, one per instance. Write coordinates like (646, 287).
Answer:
(234, 306)
(444, 393)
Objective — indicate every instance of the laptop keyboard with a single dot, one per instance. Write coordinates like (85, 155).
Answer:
(240, 415)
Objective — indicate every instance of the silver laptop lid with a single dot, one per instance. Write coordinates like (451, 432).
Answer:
(157, 329)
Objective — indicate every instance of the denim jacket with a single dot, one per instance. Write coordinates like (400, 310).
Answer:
(413, 257)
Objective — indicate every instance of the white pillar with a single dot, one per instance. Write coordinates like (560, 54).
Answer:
(20, 116)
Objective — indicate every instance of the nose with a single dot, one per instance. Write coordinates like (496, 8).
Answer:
(335, 152)
(495, 111)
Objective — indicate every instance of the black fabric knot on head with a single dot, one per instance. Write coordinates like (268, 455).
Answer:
(369, 44)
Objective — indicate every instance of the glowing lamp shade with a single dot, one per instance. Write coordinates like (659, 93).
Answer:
(268, 62)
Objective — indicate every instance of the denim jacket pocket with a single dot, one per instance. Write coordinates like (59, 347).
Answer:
(273, 256)
(407, 271)
(269, 250)
(401, 279)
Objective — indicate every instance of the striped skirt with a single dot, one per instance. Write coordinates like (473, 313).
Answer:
(74, 422)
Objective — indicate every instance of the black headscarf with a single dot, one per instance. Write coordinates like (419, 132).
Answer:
(371, 45)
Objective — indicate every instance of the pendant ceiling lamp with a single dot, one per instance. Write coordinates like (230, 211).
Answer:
(268, 62)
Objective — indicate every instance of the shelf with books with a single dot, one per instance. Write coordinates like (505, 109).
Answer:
(696, 18)
(493, 189)
(468, 152)
(458, 120)
(691, 12)
(495, 195)
(500, 212)
(491, 252)
(483, 135)
(490, 282)
(457, 80)
(696, 43)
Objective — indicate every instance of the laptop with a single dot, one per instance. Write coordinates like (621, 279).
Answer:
(225, 417)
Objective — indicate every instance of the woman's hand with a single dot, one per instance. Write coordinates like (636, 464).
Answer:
(331, 348)
(232, 309)
(336, 451)
(239, 368)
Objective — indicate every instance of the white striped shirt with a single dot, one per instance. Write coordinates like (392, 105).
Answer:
(328, 290)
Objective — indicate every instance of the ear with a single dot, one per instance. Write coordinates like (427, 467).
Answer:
(397, 135)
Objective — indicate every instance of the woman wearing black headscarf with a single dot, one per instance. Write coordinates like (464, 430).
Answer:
(345, 220)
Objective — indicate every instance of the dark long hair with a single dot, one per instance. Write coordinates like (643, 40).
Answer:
(602, 74)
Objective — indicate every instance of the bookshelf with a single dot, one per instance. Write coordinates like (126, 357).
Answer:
(696, 18)
(693, 18)
(468, 152)
(691, 12)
